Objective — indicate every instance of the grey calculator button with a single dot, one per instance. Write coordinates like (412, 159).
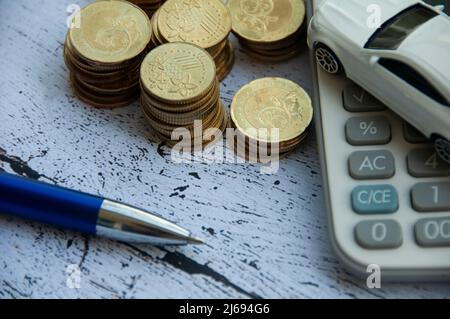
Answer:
(425, 162)
(371, 130)
(431, 197)
(433, 232)
(412, 135)
(379, 234)
(371, 165)
(356, 99)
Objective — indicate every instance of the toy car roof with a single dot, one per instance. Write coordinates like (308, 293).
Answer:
(350, 16)
(429, 48)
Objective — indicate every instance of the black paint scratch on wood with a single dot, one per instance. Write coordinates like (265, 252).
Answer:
(181, 262)
(161, 150)
(188, 265)
(13, 290)
(85, 251)
(21, 167)
(18, 165)
(195, 175)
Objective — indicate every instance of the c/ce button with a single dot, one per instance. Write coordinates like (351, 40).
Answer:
(375, 199)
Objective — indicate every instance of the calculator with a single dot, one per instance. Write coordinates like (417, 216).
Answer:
(387, 191)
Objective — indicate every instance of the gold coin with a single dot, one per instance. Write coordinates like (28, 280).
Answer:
(266, 20)
(283, 147)
(176, 111)
(99, 67)
(157, 37)
(210, 94)
(297, 37)
(113, 78)
(185, 120)
(270, 57)
(100, 101)
(269, 103)
(205, 23)
(220, 122)
(166, 129)
(217, 50)
(177, 72)
(226, 65)
(111, 32)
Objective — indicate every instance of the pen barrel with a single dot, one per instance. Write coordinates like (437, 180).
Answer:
(49, 204)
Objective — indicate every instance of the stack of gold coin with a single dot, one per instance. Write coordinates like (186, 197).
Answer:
(104, 52)
(206, 23)
(149, 6)
(179, 87)
(272, 116)
(272, 30)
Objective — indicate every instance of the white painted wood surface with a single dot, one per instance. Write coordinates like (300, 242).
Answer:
(266, 234)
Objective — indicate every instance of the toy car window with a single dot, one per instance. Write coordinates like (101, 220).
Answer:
(413, 78)
(393, 32)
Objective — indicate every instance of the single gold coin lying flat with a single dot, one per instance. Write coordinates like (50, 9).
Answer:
(111, 32)
(177, 72)
(202, 22)
(266, 20)
(272, 103)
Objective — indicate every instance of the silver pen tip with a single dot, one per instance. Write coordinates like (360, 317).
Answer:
(195, 240)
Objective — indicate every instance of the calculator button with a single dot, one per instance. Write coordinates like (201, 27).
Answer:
(371, 165)
(375, 199)
(374, 130)
(425, 162)
(431, 197)
(379, 234)
(357, 99)
(433, 232)
(412, 135)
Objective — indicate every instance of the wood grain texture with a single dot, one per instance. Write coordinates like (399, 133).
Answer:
(266, 234)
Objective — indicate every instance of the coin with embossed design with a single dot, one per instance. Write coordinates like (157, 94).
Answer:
(179, 89)
(272, 103)
(111, 32)
(104, 55)
(177, 72)
(269, 30)
(266, 20)
(191, 21)
(205, 23)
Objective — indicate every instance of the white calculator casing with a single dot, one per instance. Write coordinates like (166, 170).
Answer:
(409, 262)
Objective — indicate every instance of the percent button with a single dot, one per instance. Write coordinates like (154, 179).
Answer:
(373, 130)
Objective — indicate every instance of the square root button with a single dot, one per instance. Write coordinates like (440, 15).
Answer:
(375, 199)
(356, 99)
(371, 165)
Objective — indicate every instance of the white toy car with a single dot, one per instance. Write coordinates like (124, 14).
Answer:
(404, 61)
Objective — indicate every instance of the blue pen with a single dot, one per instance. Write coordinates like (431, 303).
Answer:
(86, 213)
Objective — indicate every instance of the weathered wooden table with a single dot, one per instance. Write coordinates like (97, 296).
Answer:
(266, 234)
